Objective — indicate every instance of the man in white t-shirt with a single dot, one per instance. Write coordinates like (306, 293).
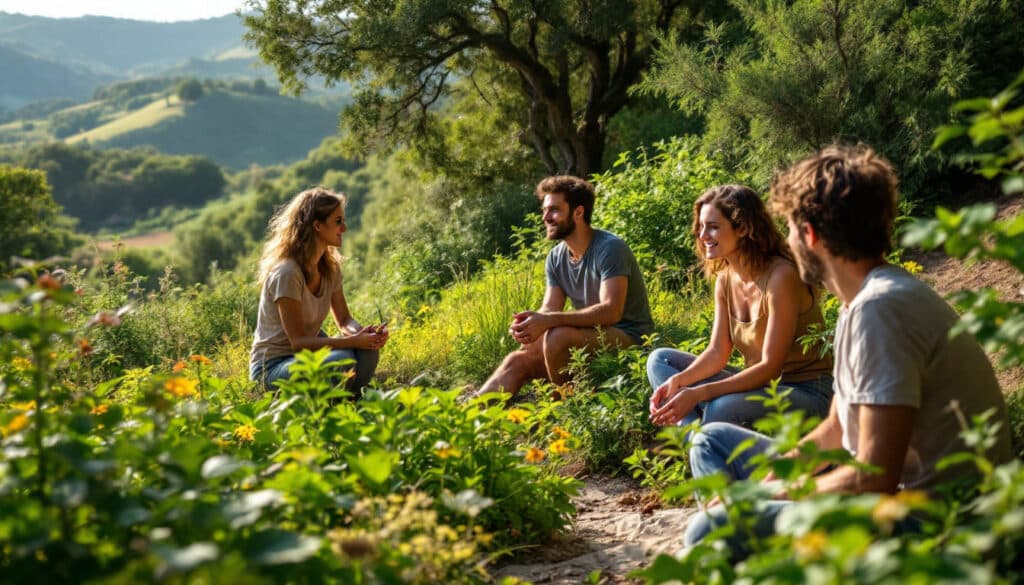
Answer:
(901, 383)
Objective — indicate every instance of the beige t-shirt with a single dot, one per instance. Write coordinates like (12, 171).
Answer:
(892, 347)
(286, 281)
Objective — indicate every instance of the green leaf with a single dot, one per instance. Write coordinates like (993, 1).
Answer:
(375, 466)
(947, 133)
(181, 560)
(281, 547)
(468, 502)
(219, 466)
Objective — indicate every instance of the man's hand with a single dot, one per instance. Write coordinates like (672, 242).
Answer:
(680, 402)
(529, 326)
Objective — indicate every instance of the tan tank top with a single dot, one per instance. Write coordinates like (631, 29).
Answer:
(748, 337)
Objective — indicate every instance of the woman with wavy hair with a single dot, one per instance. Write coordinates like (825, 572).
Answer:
(300, 282)
(762, 308)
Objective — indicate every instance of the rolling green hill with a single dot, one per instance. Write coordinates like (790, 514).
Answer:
(116, 46)
(28, 78)
(234, 129)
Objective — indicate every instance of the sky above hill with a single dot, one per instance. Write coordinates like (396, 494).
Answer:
(158, 10)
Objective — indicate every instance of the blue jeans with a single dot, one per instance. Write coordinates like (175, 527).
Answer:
(709, 454)
(712, 447)
(275, 369)
(813, 397)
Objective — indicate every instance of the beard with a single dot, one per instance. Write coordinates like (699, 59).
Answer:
(812, 269)
(563, 230)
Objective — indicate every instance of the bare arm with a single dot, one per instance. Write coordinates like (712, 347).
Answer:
(882, 441)
(605, 313)
(716, 355)
(785, 292)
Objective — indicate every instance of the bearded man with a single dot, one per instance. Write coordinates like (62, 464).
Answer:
(592, 268)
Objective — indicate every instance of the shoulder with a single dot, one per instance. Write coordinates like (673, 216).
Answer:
(783, 277)
(609, 243)
(285, 269)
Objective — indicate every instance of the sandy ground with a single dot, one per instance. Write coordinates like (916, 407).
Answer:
(613, 534)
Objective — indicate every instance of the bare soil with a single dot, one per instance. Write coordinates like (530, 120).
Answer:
(150, 240)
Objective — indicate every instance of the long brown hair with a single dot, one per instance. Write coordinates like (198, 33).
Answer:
(745, 211)
(291, 234)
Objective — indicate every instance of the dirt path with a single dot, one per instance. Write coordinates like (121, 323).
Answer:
(610, 536)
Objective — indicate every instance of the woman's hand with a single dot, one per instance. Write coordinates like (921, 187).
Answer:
(664, 393)
(368, 337)
(671, 405)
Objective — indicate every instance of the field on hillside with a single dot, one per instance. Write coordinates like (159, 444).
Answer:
(157, 112)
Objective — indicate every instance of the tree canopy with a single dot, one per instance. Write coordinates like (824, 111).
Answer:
(30, 221)
(570, 64)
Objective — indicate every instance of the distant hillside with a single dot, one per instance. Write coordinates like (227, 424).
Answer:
(117, 46)
(234, 129)
(28, 78)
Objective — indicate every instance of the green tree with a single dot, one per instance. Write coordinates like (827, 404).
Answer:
(190, 90)
(568, 65)
(30, 221)
(789, 77)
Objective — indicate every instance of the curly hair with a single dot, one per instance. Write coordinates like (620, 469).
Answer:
(291, 234)
(745, 211)
(576, 191)
(847, 194)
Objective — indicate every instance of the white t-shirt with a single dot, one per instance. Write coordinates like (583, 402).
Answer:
(286, 280)
(892, 347)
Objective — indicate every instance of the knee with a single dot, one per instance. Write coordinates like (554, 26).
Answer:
(706, 442)
(344, 357)
(558, 340)
(731, 408)
(658, 358)
(701, 524)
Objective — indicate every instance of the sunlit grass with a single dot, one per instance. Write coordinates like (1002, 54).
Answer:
(146, 117)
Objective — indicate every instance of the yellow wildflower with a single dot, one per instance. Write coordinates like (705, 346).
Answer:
(21, 363)
(179, 366)
(17, 423)
(534, 455)
(518, 415)
(558, 447)
(444, 450)
(563, 391)
(200, 359)
(890, 509)
(99, 409)
(181, 387)
(560, 433)
(811, 545)
(245, 433)
(24, 406)
(912, 267)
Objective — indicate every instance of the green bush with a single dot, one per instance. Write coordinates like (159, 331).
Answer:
(647, 199)
(167, 475)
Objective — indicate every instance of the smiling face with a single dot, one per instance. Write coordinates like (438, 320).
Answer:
(330, 230)
(716, 234)
(559, 222)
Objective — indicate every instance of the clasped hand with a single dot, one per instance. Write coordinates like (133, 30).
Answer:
(371, 337)
(528, 326)
(671, 402)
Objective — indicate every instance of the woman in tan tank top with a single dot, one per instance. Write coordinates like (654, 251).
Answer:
(762, 308)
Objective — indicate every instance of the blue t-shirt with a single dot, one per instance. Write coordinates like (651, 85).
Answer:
(606, 257)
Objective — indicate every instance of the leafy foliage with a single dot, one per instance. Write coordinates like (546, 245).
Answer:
(31, 224)
(567, 65)
(788, 77)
